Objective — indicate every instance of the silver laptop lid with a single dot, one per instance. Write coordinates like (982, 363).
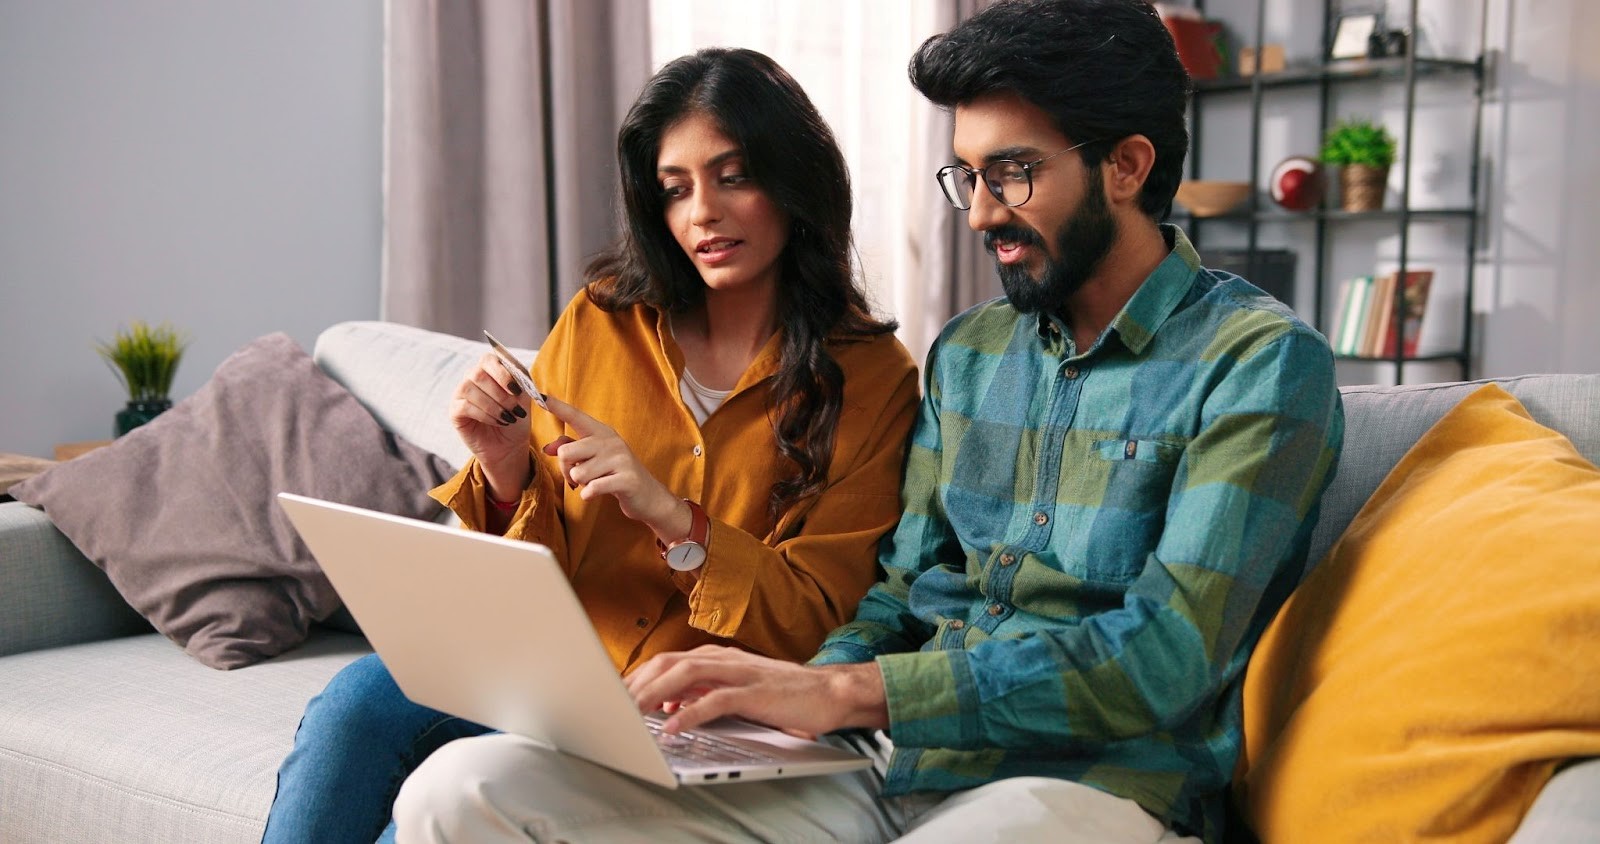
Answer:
(452, 614)
(489, 629)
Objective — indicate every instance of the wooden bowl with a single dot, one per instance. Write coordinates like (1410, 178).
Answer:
(1208, 198)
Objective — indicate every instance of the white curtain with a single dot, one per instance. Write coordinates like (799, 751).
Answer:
(499, 166)
(920, 262)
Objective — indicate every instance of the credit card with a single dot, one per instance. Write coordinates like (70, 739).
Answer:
(518, 371)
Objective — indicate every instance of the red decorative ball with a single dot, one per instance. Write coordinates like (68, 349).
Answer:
(1297, 183)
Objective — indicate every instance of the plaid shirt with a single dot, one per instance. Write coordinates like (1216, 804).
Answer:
(1092, 543)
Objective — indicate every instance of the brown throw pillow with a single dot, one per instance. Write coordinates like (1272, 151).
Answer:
(182, 516)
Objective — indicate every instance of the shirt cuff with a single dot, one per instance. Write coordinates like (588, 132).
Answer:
(721, 595)
(842, 653)
(466, 495)
(933, 701)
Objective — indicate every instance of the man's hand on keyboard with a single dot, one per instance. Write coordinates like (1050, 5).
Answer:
(721, 681)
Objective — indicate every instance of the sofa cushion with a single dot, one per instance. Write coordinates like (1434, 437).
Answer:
(49, 594)
(131, 741)
(1428, 677)
(405, 376)
(1566, 811)
(180, 512)
(1382, 423)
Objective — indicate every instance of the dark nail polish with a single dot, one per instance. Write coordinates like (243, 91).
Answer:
(505, 416)
(521, 414)
(516, 388)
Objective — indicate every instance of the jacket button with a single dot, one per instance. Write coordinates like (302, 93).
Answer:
(957, 624)
(1071, 372)
(996, 609)
(696, 451)
(1007, 559)
(642, 623)
(1040, 518)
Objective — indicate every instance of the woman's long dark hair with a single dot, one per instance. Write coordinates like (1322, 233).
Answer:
(790, 152)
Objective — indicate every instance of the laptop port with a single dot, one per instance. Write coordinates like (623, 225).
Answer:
(732, 775)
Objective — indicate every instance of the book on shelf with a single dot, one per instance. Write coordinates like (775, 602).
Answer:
(1355, 295)
(1378, 315)
(1368, 323)
(1338, 316)
(1198, 40)
(1413, 304)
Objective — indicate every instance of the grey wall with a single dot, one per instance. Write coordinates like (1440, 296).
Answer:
(1538, 295)
(212, 163)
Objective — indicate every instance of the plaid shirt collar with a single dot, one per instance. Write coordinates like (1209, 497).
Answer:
(1155, 300)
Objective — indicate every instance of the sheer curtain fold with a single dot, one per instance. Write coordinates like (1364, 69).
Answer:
(948, 251)
(973, 277)
(500, 122)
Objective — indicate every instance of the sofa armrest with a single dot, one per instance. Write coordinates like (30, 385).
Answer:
(51, 595)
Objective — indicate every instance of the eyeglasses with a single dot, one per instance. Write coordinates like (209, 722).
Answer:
(1009, 181)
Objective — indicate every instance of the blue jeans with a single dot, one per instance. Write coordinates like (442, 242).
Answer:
(357, 742)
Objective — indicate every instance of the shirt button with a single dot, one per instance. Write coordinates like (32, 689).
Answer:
(696, 451)
(1071, 372)
(1007, 559)
(642, 623)
(1040, 518)
(957, 624)
(996, 609)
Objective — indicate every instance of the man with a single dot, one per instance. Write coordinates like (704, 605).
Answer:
(1110, 491)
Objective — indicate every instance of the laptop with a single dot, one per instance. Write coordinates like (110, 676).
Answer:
(488, 629)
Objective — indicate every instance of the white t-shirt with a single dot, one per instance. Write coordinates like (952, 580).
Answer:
(702, 400)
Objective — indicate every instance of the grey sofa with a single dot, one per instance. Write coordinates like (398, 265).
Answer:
(108, 732)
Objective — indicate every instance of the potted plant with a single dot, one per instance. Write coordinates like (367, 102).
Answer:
(145, 358)
(1364, 151)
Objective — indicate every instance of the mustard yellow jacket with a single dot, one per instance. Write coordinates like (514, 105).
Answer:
(772, 588)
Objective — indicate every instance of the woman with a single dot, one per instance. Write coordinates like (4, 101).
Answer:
(724, 429)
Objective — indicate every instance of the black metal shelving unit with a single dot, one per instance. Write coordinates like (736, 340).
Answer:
(1324, 77)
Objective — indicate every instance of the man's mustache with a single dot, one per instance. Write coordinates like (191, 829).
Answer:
(1020, 235)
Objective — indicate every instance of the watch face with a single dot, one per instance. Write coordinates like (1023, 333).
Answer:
(686, 556)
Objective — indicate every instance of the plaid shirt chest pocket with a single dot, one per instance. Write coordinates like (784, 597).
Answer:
(1122, 487)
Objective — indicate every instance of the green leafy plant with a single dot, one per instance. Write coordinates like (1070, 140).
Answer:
(1358, 141)
(145, 358)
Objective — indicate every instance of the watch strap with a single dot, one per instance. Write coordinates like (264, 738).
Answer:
(699, 530)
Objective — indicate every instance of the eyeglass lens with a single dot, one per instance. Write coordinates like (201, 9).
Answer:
(1008, 181)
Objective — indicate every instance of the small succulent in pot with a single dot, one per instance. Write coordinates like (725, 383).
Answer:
(1364, 151)
(145, 358)
(1358, 141)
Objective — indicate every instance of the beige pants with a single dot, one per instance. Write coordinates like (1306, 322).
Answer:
(506, 788)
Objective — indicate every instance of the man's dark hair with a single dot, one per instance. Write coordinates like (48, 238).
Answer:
(1102, 69)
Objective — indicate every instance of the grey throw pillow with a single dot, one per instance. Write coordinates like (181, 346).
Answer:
(182, 515)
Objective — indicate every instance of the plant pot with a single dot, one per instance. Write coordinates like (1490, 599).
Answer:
(1361, 187)
(139, 412)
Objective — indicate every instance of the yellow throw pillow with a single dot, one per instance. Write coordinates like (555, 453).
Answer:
(1428, 676)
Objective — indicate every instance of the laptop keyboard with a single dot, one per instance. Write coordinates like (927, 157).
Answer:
(693, 748)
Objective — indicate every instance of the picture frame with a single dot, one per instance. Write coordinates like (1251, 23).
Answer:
(1352, 36)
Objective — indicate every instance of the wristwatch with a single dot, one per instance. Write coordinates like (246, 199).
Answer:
(689, 553)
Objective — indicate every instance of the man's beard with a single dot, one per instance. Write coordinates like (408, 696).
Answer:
(1082, 242)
